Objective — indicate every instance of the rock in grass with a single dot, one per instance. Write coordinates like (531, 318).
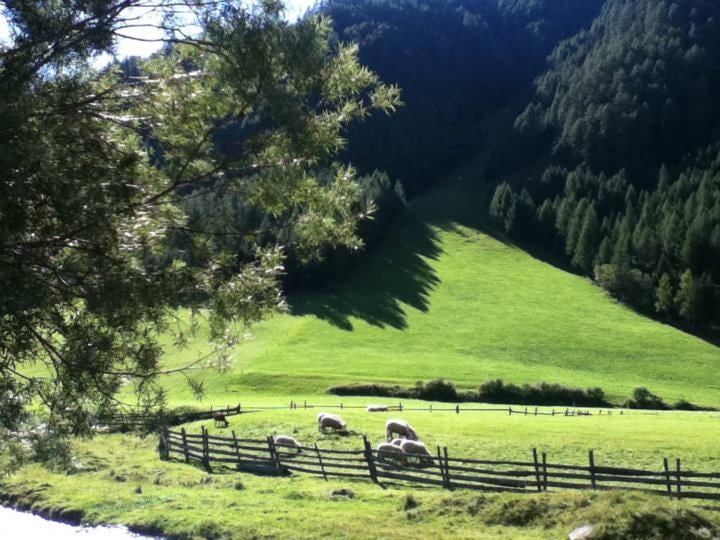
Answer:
(343, 493)
(582, 533)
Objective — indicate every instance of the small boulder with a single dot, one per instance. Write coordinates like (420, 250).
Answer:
(582, 533)
(344, 492)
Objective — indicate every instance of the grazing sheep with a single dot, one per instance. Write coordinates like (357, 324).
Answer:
(220, 420)
(417, 451)
(377, 408)
(332, 422)
(322, 414)
(288, 442)
(401, 428)
(391, 452)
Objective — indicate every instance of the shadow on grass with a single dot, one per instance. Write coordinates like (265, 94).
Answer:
(396, 275)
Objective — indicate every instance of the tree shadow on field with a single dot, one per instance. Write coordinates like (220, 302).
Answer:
(397, 273)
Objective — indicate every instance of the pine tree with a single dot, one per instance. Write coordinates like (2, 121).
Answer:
(604, 255)
(664, 303)
(575, 226)
(502, 207)
(565, 213)
(696, 299)
(546, 219)
(587, 241)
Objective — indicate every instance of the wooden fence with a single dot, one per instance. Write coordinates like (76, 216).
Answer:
(448, 407)
(537, 474)
(151, 421)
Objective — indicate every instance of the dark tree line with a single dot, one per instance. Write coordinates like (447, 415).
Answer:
(457, 62)
(219, 221)
(628, 113)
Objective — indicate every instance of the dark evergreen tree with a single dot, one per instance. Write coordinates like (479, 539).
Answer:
(587, 243)
(664, 303)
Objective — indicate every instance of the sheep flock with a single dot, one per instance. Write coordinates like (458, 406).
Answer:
(402, 446)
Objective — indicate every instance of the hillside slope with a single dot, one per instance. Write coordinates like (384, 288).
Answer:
(444, 298)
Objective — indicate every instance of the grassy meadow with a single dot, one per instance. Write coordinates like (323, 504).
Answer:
(120, 480)
(443, 297)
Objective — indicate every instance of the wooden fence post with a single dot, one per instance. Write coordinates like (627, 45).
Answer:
(442, 468)
(545, 477)
(593, 482)
(206, 448)
(537, 469)
(666, 467)
(164, 444)
(679, 480)
(525, 411)
(322, 467)
(370, 460)
(274, 455)
(457, 409)
(184, 444)
(509, 411)
(447, 467)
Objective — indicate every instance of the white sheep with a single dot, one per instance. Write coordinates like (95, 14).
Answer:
(332, 422)
(391, 452)
(401, 428)
(291, 443)
(417, 451)
(322, 414)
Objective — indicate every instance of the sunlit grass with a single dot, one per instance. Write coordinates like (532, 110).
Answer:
(441, 297)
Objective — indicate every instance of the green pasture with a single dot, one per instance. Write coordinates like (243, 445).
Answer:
(119, 478)
(441, 297)
(633, 439)
(444, 297)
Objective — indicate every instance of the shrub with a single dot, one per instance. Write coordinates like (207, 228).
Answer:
(684, 405)
(645, 399)
(437, 390)
(495, 391)
(380, 390)
(498, 391)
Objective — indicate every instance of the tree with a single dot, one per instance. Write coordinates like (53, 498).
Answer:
(695, 299)
(502, 206)
(587, 243)
(664, 304)
(94, 169)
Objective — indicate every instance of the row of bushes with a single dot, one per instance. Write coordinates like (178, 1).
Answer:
(498, 391)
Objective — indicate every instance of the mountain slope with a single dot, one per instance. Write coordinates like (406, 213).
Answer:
(441, 297)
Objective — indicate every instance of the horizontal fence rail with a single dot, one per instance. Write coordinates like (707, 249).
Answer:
(438, 468)
(151, 421)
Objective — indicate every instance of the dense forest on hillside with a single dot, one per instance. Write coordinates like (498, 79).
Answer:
(617, 99)
(629, 113)
(457, 62)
